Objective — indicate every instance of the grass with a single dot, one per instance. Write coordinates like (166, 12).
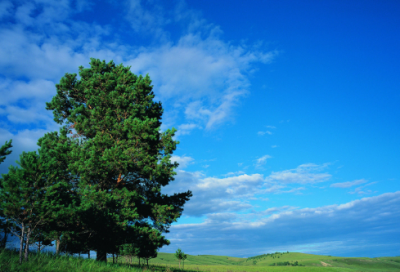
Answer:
(48, 262)
(270, 262)
(166, 262)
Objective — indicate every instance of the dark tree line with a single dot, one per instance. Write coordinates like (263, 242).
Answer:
(101, 188)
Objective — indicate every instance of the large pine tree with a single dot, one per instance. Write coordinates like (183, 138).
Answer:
(125, 160)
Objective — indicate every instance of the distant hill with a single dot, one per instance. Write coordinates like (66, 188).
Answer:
(267, 262)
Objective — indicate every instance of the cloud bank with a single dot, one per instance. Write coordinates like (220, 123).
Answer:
(337, 230)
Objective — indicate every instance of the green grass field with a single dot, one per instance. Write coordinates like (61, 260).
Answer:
(166, 262)
(274, 262)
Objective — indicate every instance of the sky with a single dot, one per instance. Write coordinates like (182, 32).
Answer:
(287, 111)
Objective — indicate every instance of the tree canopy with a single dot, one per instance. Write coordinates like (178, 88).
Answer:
(125, 159)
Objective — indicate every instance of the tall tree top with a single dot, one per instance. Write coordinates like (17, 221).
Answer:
(115, 111)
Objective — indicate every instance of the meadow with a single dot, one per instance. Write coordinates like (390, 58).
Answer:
(166, 262)
(283, 261)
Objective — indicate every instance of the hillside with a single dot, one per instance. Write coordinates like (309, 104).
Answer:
(291, 261)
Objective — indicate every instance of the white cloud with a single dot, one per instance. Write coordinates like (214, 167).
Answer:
(348, 183)
(240, 182)
(337, 230)
(263, 160)
(293, 190)
(185, 129)
(261, 133)
(212, 70)
(303, 174)
(183, 161)
(360, 191)
(234, 173)
(211, 194)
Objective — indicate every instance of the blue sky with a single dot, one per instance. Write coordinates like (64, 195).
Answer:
(287, 111)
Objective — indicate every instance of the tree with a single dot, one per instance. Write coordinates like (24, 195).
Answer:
(65, 221)
(149, 242)
(4, 223)
(23, 198)
(129, 251)
(73, 246)
(35, 195)
(180, 256)
(125, 160)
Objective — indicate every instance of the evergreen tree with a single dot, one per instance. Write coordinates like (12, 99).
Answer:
(5, 225)
(23, 198)
(180, 255)
(36, 195)
(128, 251)
(148, 244)
(125, 160)
(65, 221)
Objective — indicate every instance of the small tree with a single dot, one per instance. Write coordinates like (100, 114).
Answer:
(181, 256)
(23, 198)
(34, 195)
(129, 251)
(4, 222)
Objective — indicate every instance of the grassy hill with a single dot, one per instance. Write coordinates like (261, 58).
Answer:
(289, 261)
(166, 262)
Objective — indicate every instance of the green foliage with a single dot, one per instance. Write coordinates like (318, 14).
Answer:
(30, 195)
(180, 255)
(5, 225)
(4, 151)
(123, 159)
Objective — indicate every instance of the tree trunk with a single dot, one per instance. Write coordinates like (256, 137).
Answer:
(28, 235)
(139, 261)
(21, 245)
(101, 255)
(179, 264)
(58, 245)
(113, 258)
(147, 260)
(88, 254)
